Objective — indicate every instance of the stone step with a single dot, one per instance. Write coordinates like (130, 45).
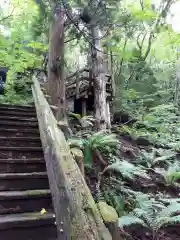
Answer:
(20, 152)
(29, 226)
(19, 118)
(18, 132)
(25, 201)
(6, 107)
(12, 112)
(28, 107)
(22, 165)
(23, 181)
(20, 141)
(24, 185)
(18, 124)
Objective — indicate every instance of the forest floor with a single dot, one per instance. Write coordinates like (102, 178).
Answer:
(153, 183)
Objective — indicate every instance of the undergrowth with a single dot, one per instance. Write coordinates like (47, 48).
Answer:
(122, 179)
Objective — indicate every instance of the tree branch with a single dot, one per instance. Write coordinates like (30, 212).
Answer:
(122, 59)
(156, 25)
(6, 17)
(142, 4)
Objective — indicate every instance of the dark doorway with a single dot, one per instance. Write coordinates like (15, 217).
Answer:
(90, 103)
(3, 74)
(78, 106)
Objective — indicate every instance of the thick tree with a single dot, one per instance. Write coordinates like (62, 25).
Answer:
(56, 80)
(98, 74)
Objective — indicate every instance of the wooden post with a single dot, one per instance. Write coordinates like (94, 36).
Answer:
(83, 106)
(77, 84)
(108, 113)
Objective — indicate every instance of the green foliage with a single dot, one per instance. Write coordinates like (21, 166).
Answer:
(19, 51)
(126, 169)
(98, 141)
(172, 175)
(149, 159)
(83, 121)
(126, 221)
(151, 217)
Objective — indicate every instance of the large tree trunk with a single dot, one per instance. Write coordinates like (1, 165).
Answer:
(56, 80)
(98, 73)
(177, 86)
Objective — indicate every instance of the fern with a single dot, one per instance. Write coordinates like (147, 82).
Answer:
(172, 220)
(84, 122)
(126, 169)
(74, 115)
(98, 141)
(152, 218)
(170, 210)
(172, 175)
(143, 201)
(101, 139)
(149, 159)
(126, 221)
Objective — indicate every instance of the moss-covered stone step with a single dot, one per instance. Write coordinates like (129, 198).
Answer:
(15, 108)
(19, 118)
(26, 107)
(29, 226)
(23, 181)
(20, 165)
(19, 124)
(21, 141)
(25, 201)
(17, 112)
(47, 232)
(20, 152)
(12, 132)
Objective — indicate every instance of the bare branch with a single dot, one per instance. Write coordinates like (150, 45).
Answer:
(142, 4)
(122, 59)
(138, 40)
(151, 37)
(156, 26)
(6, 17)
(70, 40)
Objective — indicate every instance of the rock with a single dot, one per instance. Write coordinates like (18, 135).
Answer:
(108, 213)
(79, 157)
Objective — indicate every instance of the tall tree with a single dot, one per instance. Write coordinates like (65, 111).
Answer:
(56, 80)
(98, 74)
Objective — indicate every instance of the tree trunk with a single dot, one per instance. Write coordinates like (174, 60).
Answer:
(177, 87)
(56, 80)
(98, 73)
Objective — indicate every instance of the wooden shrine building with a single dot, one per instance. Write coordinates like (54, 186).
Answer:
(80, 92)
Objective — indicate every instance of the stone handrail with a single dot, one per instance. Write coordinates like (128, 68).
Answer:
(77, 216)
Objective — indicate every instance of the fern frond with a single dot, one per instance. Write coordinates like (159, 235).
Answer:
(129, 220)
(139, 212)
(100, 140)
(173, 220)
(164, 221)
(124, 167)
(74, 115)
(174, 176)
(170, 210)
(163, 158)
(170, 200)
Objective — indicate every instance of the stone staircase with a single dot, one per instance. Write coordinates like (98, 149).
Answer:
(24, 187)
